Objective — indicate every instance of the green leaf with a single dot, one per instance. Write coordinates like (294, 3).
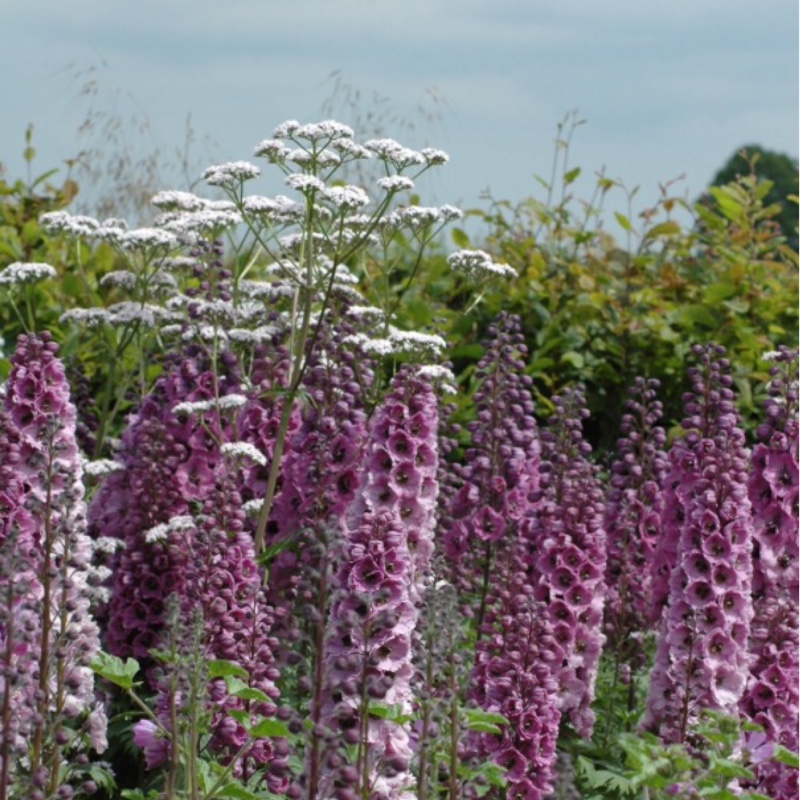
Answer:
(237, 791)
(570, 176)
(624, 222)
(249, 693)
(573, 358)
(479, 715)
(222, 669)
(670, 228)
(460, 238)
(268, 728)
(484, 727)
(785, 756)
(119, 672)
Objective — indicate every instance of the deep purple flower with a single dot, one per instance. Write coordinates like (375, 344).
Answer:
(633, 520)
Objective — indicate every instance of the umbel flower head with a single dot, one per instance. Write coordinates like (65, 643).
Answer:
(48, 636)
(702, 659)
(771, 695)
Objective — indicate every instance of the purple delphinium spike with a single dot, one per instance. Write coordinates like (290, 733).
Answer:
(701, 658)
(515, 675)
(221, 588)
(48, 637)
(568, 553)
(385, 561)
(499, 469)
(771, 695)
(634, 505)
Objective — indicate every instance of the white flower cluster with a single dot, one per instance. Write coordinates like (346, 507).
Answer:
(395, 183)
(478, 265)
(399, 342)
(103, 466)
(230, 174)
(280, 209)
(345, 197)
(20, 272)
(64, 222)
(178, 201)
(177, 524)
(148, 238)
(305, 183)
(314, 131)
(108, 544)
(419, 218)
(439, 374)
(244, 450)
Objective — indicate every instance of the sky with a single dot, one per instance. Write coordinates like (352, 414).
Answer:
(666, 88)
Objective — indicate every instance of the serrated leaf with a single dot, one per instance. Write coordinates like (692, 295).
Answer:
(120, 673)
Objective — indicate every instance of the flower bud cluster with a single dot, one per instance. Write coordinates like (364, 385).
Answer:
(634, 504)
(567, 549)
(771, 696)
(702, 658)
(48, 635)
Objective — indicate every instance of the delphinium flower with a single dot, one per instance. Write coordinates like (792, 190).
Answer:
(516, 675)
(385, 562)
(702, 658)
(771, 696)
(48, 637)
(567, 553)
(499, 469)
(634, 505)
(220, 589)
(170, 461)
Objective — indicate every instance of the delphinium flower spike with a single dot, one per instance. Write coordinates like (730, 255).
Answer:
(567, 551)
(499, 470)
(47, 633)
(771, 696)
(634, 505)
(385, 562)
(702, 659)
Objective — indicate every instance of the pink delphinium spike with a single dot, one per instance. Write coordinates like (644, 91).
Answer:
(771, 696)
(48, 636)
(568, 552)
(702, 659)
(385, 563)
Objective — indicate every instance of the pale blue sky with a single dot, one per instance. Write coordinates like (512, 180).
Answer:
(667, 87)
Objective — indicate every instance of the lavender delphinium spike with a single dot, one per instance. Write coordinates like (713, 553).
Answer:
(568, 553)
(385, 560)
(702, 659)
(771, 696)
(48, 637)
(634, 505)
